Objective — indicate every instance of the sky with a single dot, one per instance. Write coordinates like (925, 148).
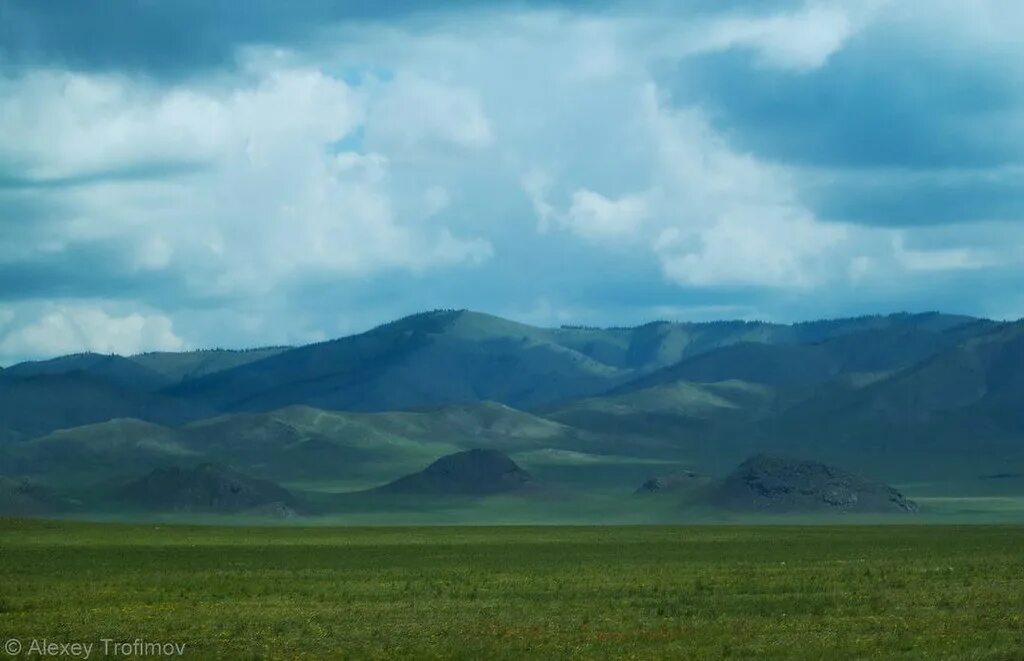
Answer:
(209, 173)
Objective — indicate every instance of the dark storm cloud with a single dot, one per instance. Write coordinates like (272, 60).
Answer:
(163, 38)
(172, 39)
(85, 272)
(937, 135)
(175, 39)
(897, 199)
(874, 104)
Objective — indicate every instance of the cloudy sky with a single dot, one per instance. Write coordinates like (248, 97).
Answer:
(191, 173)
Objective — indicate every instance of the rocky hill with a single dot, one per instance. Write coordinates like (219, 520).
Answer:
(205, 488)
(474, 472)
(681, 482)
(782, 484)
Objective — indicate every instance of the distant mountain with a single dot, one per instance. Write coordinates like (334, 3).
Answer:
(985, 372)
(176, 367)
(661, 344)
(206, 488)
(476, 472)
(890, 348)
(447, 357)
(430, 359)
(113, 370)
(957, 409)
(37, 397)
(37, 404)
(921, 399)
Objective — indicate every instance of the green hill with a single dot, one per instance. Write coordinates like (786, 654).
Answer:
(92, 454)
(928, 400)
(332, 450)
(185, 365)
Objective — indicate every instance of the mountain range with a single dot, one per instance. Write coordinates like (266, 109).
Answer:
(906, 397)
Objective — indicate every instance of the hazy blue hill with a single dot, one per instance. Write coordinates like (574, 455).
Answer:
(429, 359)
(36, 405)
(952, 415)
(661, 344)
(452, 356)
(984, 370)
(899, 343)
(447, 357)
(755, 362)
(898, 400)
(115, 370)
(904, 397)
(184, 365)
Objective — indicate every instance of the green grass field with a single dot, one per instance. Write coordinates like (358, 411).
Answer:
(916, 591)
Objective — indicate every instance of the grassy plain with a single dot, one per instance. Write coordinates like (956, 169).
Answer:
(911, 591)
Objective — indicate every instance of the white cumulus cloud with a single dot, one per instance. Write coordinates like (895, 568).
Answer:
(68, 328)
(265, 194)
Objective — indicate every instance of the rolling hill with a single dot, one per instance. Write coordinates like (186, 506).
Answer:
(790, 365)
(94, 453)
(957, 411)
(447, 357)
(430, 359)
(925, 398)
(345, 450)
(113, 370)
(37, 404)
(476, 472)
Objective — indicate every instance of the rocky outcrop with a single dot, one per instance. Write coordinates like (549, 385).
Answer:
(205, 488)
(674, 483)
(783, 484)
